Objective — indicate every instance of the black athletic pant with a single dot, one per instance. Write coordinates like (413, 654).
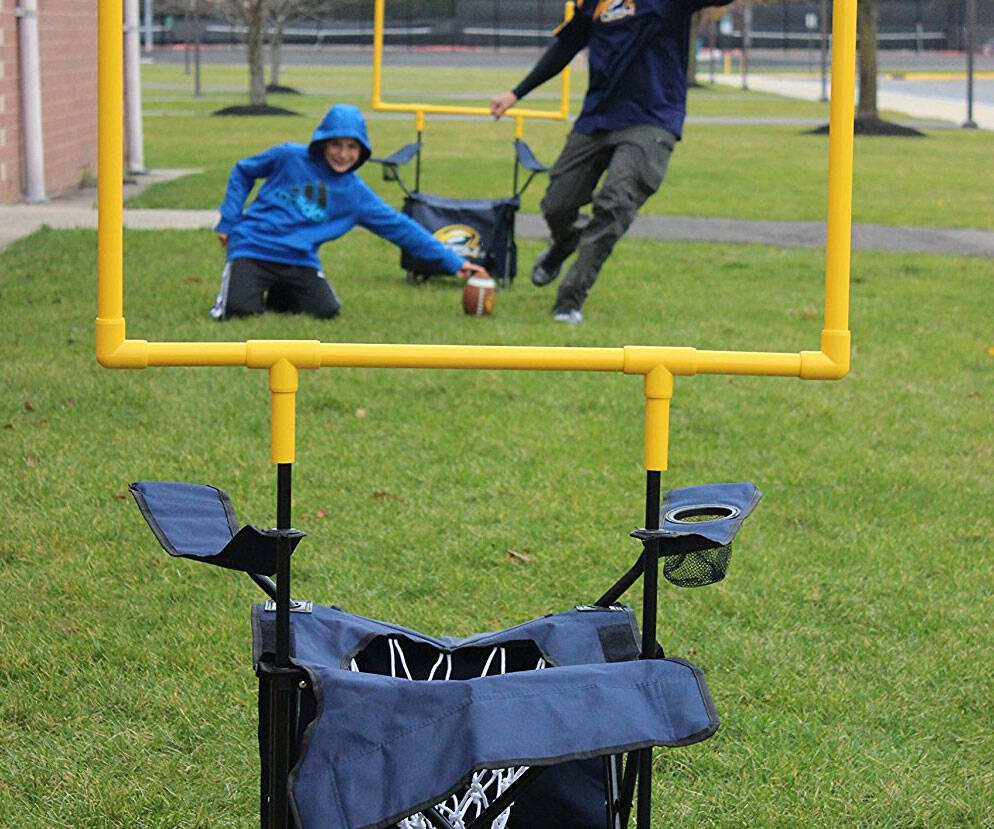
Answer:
(251, 286)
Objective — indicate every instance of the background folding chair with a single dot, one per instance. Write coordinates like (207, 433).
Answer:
(480, 230)
(549, 724)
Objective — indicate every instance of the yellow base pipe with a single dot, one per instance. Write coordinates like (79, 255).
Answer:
(283, 383)
(658, 388)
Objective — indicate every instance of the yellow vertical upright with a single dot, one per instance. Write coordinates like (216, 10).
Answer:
(835, 336)
(110, 170)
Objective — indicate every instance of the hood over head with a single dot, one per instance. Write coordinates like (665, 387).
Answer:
(342, 121)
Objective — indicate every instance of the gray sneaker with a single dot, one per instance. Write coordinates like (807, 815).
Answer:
(545, 269)
(573, 317)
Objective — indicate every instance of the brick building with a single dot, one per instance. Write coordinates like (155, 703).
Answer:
(67, 36)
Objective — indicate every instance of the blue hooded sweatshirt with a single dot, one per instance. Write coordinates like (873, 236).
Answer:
(303, 203)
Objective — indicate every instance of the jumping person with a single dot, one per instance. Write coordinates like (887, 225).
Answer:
(631, 119)
(311, 195)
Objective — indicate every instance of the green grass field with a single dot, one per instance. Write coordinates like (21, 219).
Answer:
(771, 171)
(848, 651)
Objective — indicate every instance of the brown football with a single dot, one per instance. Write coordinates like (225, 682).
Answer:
(479, 296)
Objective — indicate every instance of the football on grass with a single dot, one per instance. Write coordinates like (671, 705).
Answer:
(479, 296)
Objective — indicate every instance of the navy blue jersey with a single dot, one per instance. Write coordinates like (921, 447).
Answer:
(638, 62)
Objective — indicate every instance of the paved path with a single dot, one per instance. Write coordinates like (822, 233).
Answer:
(918, 101)
(943, 100)
(794, 234)
(79, 210)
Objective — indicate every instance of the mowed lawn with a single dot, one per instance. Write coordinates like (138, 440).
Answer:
(767, 170)
(848, 650)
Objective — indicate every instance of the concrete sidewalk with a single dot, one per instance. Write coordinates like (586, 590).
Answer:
(793, 234)
(926, 104)
(79, 210)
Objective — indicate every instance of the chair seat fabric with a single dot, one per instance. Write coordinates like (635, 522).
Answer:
(480, 230)
(381, 748)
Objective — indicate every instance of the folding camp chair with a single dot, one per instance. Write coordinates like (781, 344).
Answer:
(480, 230)
(546, 725)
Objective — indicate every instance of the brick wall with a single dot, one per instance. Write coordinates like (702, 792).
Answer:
(68, 52)
(10, 141)
(69, 91)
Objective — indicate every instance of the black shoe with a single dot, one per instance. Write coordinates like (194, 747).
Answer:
(545, 269)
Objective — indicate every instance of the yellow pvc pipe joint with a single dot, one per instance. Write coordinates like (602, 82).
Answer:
(642, 359)
(114, 350)
(110, 334)
(658, 387)
(283, 384)
(269, 353)
(832, 362)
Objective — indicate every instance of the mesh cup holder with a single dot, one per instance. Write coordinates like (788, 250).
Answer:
(699, 567)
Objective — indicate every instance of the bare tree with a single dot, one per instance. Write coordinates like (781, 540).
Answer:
(707, 20)
(279, 13)
(746, 41)
(253, 14)
(868, 120)
(695, 25)
(866, 24)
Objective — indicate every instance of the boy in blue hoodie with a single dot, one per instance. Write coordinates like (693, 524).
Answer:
(311, 195)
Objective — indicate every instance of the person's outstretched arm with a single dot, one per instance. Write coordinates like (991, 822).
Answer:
(569, 40)
(240, 183)
(380, 218)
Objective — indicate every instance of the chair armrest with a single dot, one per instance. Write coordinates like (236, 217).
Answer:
(401, 156)
(526, 158)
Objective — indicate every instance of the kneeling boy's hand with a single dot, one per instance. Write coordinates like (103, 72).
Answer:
(468, 269)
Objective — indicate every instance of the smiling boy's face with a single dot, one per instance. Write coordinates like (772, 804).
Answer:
(341, 154)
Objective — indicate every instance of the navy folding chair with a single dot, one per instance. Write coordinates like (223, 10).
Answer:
(480, 230)
(548, 724)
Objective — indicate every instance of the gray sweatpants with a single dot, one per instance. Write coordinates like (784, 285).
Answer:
(635, 159)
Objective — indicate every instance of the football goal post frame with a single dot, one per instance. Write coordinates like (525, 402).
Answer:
(419, 110)
(283, 360)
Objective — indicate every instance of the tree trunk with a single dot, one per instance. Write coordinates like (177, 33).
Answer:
(866, 20)
(274, 52)
(255, 20)
(746, 41)
(695, 24)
